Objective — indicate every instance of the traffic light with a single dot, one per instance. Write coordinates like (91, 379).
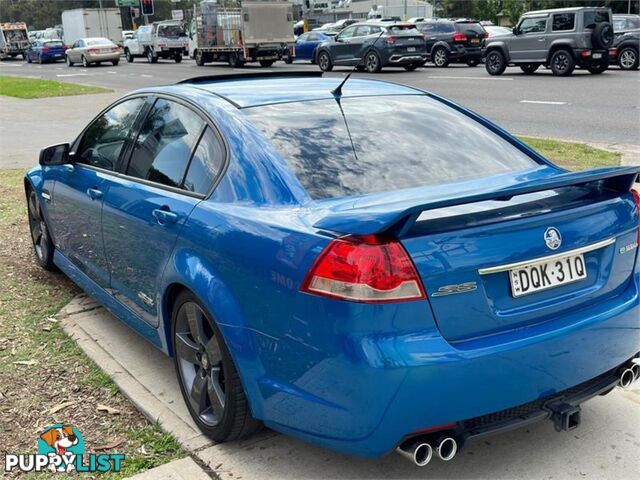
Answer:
(147, 7)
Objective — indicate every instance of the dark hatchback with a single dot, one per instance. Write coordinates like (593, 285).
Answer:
(371, 46)
(453, 41)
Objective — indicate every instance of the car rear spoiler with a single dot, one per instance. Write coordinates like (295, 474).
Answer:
(395, 211)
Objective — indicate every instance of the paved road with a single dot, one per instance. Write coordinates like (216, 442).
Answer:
(593, 108)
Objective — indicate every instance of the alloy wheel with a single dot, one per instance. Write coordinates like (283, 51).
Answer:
(628, 59)
(440, 57)
(323, 61)
(200, 363)
(561, 62)
(38, 227)
(372, 63)
(494, 62)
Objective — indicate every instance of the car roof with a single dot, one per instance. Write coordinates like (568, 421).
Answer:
(562, 10)
(247, 90)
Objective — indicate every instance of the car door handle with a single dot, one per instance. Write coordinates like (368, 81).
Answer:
(163, 216)
(94, 193)
(541, 39)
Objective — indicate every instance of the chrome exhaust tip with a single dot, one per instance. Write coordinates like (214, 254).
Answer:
(627, 377)
(419, 453)
(447, 449)
(635, 368)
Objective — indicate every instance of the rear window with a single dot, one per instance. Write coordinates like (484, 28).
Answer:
(464, 27)
(391, 143)
(53, 44)
(591, 18)
(98, 41)
(171, 31)
(403, 30)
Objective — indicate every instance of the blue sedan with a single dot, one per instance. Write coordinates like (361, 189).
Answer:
(45, 51)
(392, 272)
(305, 46)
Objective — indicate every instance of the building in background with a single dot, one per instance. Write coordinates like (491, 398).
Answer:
(325, 11)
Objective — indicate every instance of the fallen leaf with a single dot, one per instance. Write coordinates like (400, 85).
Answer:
(108, 409)
(109, 446)
(52, 320)
(46, 328)
(28, 363)
(60, 406)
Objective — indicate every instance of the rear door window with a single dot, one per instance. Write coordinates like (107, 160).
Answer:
(206, 163)
(533, 25)
(563, 21)
(165, 142)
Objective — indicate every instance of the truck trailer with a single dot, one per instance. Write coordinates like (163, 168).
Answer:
(237, 33)
(92, 22)
(14, 39)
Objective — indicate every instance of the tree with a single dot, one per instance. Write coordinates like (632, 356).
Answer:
(486, 10)
(457, 8)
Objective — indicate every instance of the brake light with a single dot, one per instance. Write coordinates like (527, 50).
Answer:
(459, 37)
(45, 49)
(162, 45)
(370, 269)
(636, 197)
(64, 47)
(93, 50)
(585, 53)
(115, 49)
(391, 39)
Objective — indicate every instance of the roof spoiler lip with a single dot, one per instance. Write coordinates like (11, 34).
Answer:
(250, 75)
(369, 220)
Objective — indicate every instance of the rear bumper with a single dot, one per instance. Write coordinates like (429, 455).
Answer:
(369, 392)
(585, 58)
(406, 59)
(461, 53)
(102, 57)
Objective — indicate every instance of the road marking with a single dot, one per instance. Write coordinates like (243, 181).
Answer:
(12, 64)
(72, 74)
(146, 76)
(444, 77)
(543, 102)
(111, 71)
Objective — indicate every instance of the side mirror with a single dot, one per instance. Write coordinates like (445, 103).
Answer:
(54, 155)
(515, 31)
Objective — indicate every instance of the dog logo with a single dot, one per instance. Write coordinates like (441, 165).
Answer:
(552, 238)
(59, 439)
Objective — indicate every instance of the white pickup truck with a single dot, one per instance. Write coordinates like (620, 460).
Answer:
(165, 39)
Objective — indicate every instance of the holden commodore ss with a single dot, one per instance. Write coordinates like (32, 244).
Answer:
(364, 265)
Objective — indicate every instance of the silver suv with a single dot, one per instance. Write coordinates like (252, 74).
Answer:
(559, 39)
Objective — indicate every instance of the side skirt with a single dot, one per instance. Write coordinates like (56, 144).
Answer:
(108, 301)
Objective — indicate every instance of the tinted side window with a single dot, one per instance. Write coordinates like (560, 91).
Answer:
(362, 31)
(427, 28)
(593, 17)
(164, 144)
(563, 21)
(533, 25)
(347, 33)
(103, 141)
(446, 27)
(205, 165)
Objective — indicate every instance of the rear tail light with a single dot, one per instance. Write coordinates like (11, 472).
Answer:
(459, 37)
(370, 269)
(115, 49)
(613, 52)
(585, 53)
(45, 49)
(162, 45)
(93, 50)
(391, 39)
(485, 35)
(64, 47)
(636, 197)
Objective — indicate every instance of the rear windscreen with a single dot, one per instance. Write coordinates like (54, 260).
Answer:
(171, 31)
(591, 18)
(403, 30)
(53, 44)
(464, 27)
(374, 144)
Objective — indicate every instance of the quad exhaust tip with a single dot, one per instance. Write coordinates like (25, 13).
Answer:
(447, 449)
(419, 453)
(628, 376)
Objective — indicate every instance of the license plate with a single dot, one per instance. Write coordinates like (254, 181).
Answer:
(597, 55)
(538, 276)
(411, 49)
(475, 41)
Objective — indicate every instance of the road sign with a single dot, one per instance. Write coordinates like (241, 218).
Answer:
(127, 3)
(177, 14)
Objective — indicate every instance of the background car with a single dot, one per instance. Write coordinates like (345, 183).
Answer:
(306, 45)
(625, 48)
(306, 272)
(494, 30)
(42, 51)
(93, 51)
(457, 41)
(371, 46)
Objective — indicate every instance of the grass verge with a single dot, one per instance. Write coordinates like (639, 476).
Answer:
(573, 156)
(21, 87)
(52, 371)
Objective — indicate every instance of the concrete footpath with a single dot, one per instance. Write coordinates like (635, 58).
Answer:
(606, 446)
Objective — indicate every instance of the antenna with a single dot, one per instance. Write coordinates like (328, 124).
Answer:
(337, 92)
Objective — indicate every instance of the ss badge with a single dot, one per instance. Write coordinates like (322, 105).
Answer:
(453, 289)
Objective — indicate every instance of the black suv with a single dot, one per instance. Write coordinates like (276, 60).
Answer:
(453, 41)
(373, 45)
(626, 45)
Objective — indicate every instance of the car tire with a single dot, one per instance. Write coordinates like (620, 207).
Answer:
(208, 378)
(288, 59)
(440, 57)
(324, 61)
(128, 56)
(598, 68)
(40, 61)
(562, 63)
(602, 36)
(372, 63)
(266, 63)
(115, 62)
(411, 68)
(85, 63)
(69, 62)
(200, 58)
(628, 58)
(151, 58)
(529, 68)
(42, 243)
(495, 63)
(473, 63)
(177, 58)
(235, 61)
(29, 59)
